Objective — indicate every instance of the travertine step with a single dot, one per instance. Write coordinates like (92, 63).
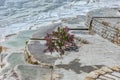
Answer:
(35, 54)
(106, 74)
(33, 72)
(11, 61)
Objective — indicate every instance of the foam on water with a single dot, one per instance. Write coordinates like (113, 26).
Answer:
(16, 14)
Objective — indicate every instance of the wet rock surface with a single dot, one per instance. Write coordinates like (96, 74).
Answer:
(45, 29)
(10, 62)
(32, 72)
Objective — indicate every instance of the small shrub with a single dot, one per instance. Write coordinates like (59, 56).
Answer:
(59, 40)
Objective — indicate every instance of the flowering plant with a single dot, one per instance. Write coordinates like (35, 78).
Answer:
(59, 40)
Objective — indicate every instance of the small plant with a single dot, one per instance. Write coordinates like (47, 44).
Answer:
(59, 40)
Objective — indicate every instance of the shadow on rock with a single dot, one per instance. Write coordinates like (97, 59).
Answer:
(76, 67)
